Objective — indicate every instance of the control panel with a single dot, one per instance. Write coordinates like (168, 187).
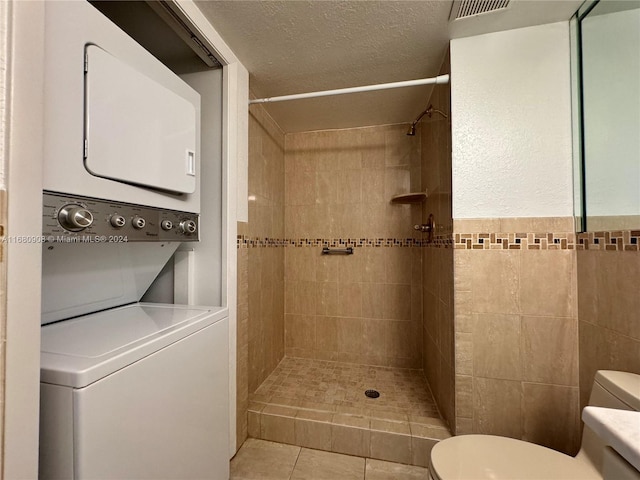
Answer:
(80, 219)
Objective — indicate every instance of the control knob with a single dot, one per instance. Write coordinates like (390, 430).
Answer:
(138, 222)
(166, 224)
(188, 227)
(75, 217)
(117, 221)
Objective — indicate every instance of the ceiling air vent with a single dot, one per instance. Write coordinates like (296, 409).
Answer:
(469, 8)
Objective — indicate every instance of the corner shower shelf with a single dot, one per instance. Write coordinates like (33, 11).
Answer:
(415, 197)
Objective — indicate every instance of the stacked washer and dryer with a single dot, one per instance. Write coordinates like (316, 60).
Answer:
(128, 389)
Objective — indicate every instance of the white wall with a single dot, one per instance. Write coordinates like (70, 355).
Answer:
(511, 123)
(611, 86)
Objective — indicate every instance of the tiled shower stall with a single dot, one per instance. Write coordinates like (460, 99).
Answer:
(316, 331)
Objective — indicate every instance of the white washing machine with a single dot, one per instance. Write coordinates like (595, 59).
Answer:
(136, 392)
(128, 390)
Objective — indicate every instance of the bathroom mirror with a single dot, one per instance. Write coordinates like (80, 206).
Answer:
(607, 72)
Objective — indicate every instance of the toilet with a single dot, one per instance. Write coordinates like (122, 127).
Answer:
(480, 457)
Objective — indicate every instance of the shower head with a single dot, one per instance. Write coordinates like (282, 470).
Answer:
(429, 111)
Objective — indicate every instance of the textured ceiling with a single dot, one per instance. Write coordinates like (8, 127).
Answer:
(303, 46)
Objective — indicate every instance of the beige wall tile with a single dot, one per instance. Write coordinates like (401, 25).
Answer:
(300, 331)
(350, 187)
(550, 350)
(327, 268)
(253, 424)
(326, 334)
(551, 416)
(546, 283)
(373, 300)
(393, 447)
(350, 440)
(397, 181)
(327, 298)
(464, 396)
(373, 146)
(497, 407)
(496, 347)
(350, 300)
(300, 189)
(476, 225)
(587, 264)
(312, 433)
(373, 265)
(398, 265)
(397, 302)
(462, 269)
(300, 264)
(400, 338)
(326, 187)
(464, 426)
(416, 303)
(464, 353)
(496, 277)
(349, 335)
(553, 224)
(300, 298)
(618, 299)
(519, 225)
(277, 428)
(373, 337)
(625, 352)
(421, 451)
(350, 267)
(373, 185)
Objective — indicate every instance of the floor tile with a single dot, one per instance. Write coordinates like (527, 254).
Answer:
(318, 465)
(262, 460)
(297, 381)
(379, 470)
(321, 404)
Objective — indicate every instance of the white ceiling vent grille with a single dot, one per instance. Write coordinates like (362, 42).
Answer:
(469, 8)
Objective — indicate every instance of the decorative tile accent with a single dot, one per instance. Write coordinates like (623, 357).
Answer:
(620, 240)
(515, 241)
(444, 241)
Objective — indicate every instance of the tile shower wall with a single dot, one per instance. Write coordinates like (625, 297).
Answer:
(609, 311)
(367, 307)
(516, 330)
(261, 270)
(437, 263)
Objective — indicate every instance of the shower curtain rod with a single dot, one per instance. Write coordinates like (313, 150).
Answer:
(366, 88)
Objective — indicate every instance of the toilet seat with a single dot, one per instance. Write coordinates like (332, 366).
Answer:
(480, 457)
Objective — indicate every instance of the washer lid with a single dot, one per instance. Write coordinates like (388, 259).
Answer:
(80, 351)
(488, 457)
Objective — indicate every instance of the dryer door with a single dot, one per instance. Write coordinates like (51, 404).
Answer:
(136, 130)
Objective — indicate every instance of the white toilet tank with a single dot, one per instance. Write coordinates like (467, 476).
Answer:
(619, 390)
(611, 389)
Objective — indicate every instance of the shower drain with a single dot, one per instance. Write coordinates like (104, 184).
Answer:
(372, 393)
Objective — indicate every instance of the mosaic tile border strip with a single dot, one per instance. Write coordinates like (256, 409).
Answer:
(515, 241)
(616, 241)
(253, 242)
(622, 240)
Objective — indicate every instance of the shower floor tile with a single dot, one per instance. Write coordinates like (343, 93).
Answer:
(339, 387)
(322, 404)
